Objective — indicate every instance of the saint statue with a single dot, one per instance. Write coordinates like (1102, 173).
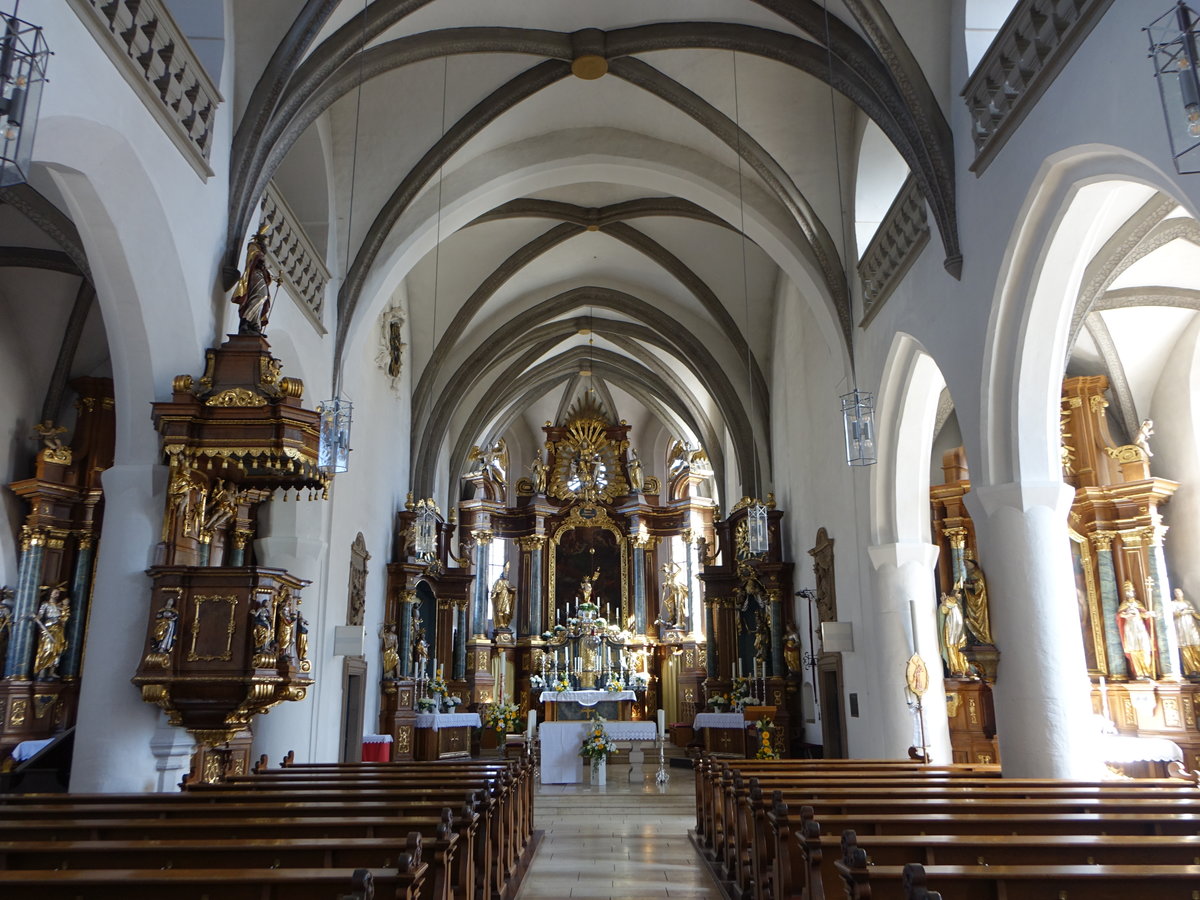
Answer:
(222, 507)
(502, 600)
(974, 590)
(1186, 618)
(183, 512)
(390, 644)
(262, 629)
(674, 595)
(791, 652)
(586, 587)
(301, 636)
(1142, 438)
(166, 623)
(636, 480)
(1133, 622)
(541, 472)
(252, 294)
(954, 635)
(51, 623)
(285, 628)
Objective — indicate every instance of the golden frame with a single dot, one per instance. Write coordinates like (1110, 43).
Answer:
(588, 517)
(230, 627)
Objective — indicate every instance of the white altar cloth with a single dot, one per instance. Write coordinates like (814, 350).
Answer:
(1122, 748)
(560, 742)
(438, 721)
(585, 698)
(719, 720)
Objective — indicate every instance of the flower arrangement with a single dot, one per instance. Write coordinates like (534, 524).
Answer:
(639, 681)
(597, 745)
(765, 750)
(739, 694)
(718, 701)
(452, 701)
(426, 704)
(563, 684)
(502, 717)
(614, 684)
(537, 682)
(437, 685)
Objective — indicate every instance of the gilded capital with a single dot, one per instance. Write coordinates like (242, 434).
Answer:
(957, 536)
(1132, 539)
(408, 596)
(1102, 540)
(483, 536)
(532, 543)
(1155, 534)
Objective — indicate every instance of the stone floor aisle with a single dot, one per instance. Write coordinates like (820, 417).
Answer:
(618, 841)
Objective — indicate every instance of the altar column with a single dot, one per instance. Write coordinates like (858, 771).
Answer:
(81, 587)
(531, 585)
(404, 609)
(640, 543)
(1042, 693)
(905, 589)
(1109, 601)
(21, 640)
(710, 656)
(1164, 619)
(776, 623)
(483, 540)
(459, 668)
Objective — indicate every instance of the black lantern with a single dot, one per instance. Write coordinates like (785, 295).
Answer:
(23, 58)
(1173, 50)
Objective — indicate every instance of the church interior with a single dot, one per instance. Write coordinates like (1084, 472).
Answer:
(828, 367)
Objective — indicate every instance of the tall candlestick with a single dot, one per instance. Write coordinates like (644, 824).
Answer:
(662, 723)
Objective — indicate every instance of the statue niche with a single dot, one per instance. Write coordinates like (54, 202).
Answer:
(579, 554)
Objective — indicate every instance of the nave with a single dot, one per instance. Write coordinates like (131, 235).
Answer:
(617, 840)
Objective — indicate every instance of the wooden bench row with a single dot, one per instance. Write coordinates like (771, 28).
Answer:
(758, 850)
(418, 832)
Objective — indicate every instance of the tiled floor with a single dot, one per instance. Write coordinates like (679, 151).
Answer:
(621, 840)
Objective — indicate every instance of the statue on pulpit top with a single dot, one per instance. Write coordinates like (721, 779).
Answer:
(1133, 620)
(1186, 618)
(252, 295)
(954, 635)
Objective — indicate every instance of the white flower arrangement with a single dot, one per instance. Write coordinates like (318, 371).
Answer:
(426, 704)
(452, 702)
(639, 681)
(537, 682)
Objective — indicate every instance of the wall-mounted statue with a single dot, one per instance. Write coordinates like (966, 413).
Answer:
(51, 623)
(953, 634)
(674, 594)
(502, 600)
(1133, 620)
(389, 649)
(1186, 618)
(975, 597)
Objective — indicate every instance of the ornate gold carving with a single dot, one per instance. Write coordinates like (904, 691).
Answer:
(404, 736)
(404, 698)
(689, 658)
(482, 659)
(532, 542)
(1171, 716)
(182, 384)
(292, 387)
(744, 503)
(269, 369)
(236, 397)
(1126, 453)
(652, 485)
(230, 626)
(957, 536)
(18, 711)
(985, 758)
(1132, 539)
(953, 701)
(972, 711)
(1096, 403)
(482, 537)
(586, 465)
(1102, 540)
(590, 517)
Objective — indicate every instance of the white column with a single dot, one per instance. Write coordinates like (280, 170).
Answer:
(115, 727)
(1042, 693)
(905, 622)
(293, 724)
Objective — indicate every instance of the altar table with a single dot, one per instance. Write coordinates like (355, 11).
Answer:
(444, 735)
(560, 743)
(589, 700)
(724, 733)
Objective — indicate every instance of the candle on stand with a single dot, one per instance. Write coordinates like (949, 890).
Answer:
(662, 723)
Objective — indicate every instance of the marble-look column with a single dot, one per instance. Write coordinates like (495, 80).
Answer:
(532, 560)
(483, 541)
(22, 634)
(905, 623)
(81, 586)
(709, 637)
(1164, 619)
(115, 727)
(459, 665)
(1042, 692)
(1109, 601)
(958, 552)
(640, 543)
(689, 619)
(404, 609)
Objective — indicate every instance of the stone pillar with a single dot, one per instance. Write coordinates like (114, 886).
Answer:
(115, 727)
(689, 620)
(22, 635)
(640, 543)
(1110, 599)
(532, 559)
(1159, 592)
(483, 540)
(310, 727)
(81, 585)
(1042, 692)
(905, 590)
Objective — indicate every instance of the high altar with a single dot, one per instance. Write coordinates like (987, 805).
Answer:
(627, 592)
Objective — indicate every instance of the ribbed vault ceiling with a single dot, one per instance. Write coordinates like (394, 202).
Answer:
(554, 233)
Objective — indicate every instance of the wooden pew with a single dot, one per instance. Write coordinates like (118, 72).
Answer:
(1029, 882)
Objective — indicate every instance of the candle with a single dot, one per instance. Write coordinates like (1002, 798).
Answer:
(662, 723)
(532, 724)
